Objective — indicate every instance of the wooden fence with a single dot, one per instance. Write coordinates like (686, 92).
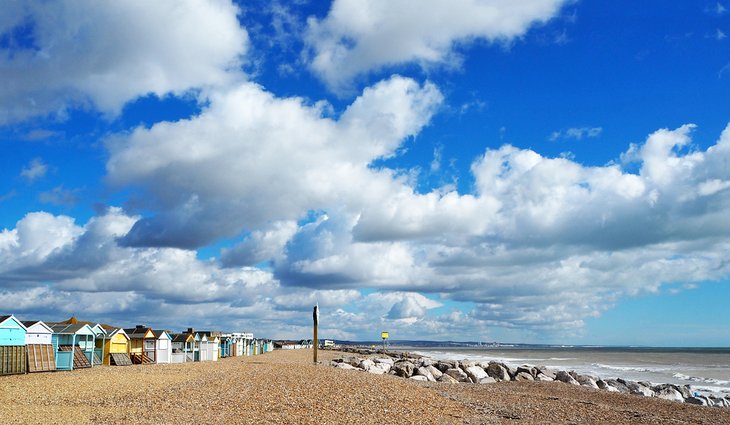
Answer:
(12, 359)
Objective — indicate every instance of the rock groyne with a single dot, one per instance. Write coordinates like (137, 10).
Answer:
(425, 369)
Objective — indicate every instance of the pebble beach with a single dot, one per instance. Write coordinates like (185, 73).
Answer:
(285, 387)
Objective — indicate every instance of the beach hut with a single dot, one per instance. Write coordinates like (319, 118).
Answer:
(209, 346)
(163, 346)
(74, 345)
(100, 333)
(116, 348)
(225, 346)
(141, 344)
(182, 348)
(12, 346)
(100, 342)
(39, 347)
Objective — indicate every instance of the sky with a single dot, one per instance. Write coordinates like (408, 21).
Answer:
(542, 171)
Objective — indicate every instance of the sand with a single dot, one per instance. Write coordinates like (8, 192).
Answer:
(284, 387)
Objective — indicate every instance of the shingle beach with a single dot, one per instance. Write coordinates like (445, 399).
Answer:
(285, 387)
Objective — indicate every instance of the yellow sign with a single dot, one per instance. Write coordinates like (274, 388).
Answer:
(384, 335)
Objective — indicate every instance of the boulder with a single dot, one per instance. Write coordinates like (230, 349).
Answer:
(366, 364)
(466, 364)
(623, 389)
(434, 371)
(717, 401)
(384, 360)
(346, 366)
(587, 381)
(379, 369)
(698, 400)
(524, 376)
(426, 361)
(422, 371)
(404, 369)
(487, 380)
(564, 376)
(443, 365)
(353, 361)
(668, 392)
(547, 372)
(457, 374)
(448, 379)
(541, 377)
(685, 390)
(605, 386)
(497, 371)
(475, 373)
(419, 378)
(636, 388)
(527, 369)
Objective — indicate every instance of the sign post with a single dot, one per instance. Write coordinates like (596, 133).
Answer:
(315, 317)
(385, 336)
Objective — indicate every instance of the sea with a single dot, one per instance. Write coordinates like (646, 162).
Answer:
(706, 370)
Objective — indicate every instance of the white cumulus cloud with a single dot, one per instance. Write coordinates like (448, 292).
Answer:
(106, 54)
(358, 36)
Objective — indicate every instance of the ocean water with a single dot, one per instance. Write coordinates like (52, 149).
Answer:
(706, 370)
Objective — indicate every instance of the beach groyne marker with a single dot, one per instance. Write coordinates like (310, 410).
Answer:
(385, 335)
(315, 317)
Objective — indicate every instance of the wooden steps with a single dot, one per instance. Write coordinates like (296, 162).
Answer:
(141, 358)
(120, 359)
(80, 360)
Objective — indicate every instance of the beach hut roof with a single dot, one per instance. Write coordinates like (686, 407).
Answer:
(158, 333)
(137, 332)
(111, 332)
(78, 328)
(183, 338)
(74, 321)
(8, 317)
(29, 323)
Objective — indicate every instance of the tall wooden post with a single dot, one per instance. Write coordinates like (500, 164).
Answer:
(315, 317)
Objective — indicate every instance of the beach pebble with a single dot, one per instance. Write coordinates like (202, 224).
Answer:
(419, 378)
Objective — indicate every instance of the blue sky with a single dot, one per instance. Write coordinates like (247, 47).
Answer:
(546, 171)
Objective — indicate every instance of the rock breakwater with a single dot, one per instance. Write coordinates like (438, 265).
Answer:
(425, 369)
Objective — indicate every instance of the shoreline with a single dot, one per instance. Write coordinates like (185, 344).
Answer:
(419, 366)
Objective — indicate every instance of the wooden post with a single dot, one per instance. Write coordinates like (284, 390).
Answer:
(315, 317)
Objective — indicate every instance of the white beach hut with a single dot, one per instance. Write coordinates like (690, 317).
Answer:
(163, 346)
(39, 347)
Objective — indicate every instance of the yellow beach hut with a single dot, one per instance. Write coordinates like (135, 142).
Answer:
(116, 348)
(141, 344)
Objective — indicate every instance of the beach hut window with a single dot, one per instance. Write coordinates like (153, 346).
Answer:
(149, 345)
(163, 344)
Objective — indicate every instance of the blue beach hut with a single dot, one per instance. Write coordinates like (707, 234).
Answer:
(12, 346)
(74, 345)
